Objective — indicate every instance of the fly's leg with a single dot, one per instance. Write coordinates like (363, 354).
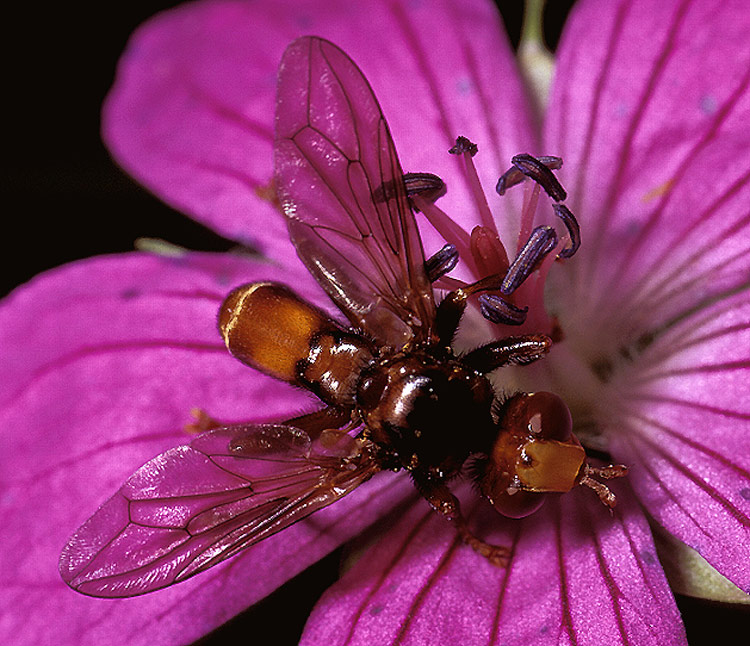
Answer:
(447, 505)
(512, 350)
(452, 307)
(330, 417)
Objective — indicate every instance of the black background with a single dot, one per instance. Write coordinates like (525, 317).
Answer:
(65, 199)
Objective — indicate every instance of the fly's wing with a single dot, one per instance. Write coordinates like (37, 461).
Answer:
(341, 187)
(194, 506)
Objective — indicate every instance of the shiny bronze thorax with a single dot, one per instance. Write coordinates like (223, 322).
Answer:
(429, 412)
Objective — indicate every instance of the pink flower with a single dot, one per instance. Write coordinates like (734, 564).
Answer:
(103, 359)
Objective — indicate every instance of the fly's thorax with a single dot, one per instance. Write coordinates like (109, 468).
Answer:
(268, 327)
(430, 411)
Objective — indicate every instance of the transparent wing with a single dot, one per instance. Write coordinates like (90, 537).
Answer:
(341, 186)
(194, 506)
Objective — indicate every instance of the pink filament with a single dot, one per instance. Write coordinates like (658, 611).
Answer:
(528, 213)
(475, 187)
(447, 228)
(538, 313)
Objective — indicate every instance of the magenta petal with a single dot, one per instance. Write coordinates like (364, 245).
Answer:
(117, 303)
(191, 113)
(657, 163)
(191, 116)
(119, 350)
(576, 575)
(656, 146)
(686, 434)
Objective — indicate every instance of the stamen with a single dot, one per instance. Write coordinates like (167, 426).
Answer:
(536, 170)
(514, 176)
(446, 227)
(467, 149)
(441, 262)
(496, 309)
(542, 240)
(464, 145)
(574, 231)
(528, 214)
(429, 186)
(538, 318)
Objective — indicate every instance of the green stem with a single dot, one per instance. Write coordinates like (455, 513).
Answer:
(532, 30)
(536, 63)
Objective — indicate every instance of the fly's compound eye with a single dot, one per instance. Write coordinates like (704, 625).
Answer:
(535, 453)
(544, 415)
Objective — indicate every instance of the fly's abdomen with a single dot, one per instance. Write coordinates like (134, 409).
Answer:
(268, 327)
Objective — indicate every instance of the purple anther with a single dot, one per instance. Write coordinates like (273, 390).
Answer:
(574, 231)
(426, 185)
(536, 170)
(551, 162)
(541, 241)
(464, 145)
(441, 263)
(498, 310)
(514, 176)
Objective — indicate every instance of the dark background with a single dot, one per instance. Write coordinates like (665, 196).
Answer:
(65, 199)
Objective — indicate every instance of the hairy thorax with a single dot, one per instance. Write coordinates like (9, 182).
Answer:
(427, 412)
